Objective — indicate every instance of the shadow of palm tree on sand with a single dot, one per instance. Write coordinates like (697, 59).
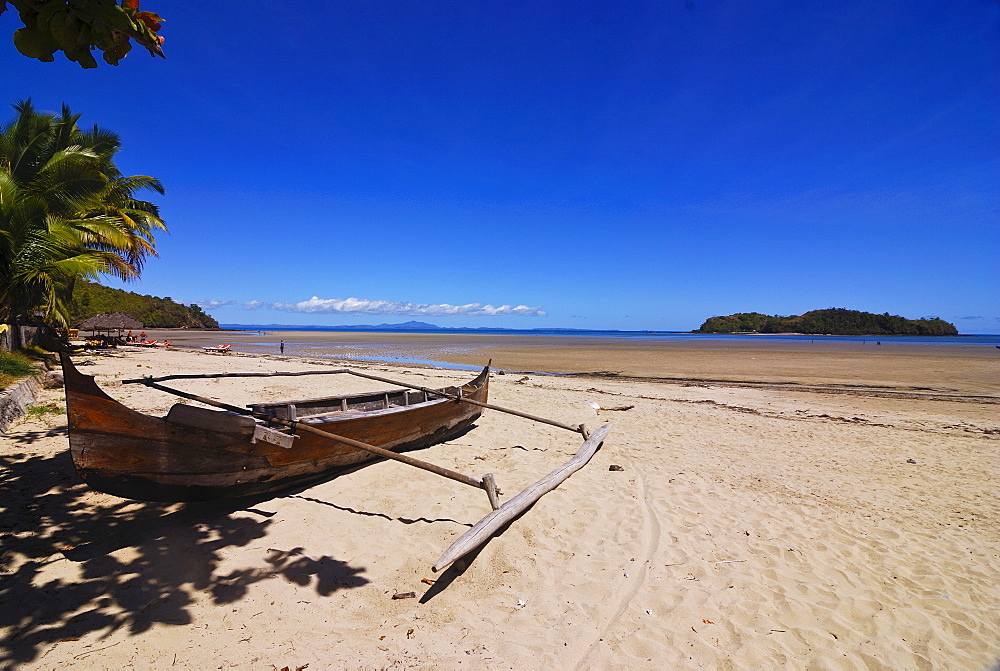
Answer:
(136, 564)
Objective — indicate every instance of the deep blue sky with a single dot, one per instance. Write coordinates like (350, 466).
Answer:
(639, 165)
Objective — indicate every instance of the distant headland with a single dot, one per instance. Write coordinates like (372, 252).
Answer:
(91, 298)
(834, 321)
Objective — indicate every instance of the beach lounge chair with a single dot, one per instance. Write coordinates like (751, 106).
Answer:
(221, 349)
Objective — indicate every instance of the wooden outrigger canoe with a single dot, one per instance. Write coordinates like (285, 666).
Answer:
(197, 454)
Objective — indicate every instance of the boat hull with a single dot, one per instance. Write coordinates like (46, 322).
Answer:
(129, 454)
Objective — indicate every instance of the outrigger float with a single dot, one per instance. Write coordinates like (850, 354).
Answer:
(198, 454)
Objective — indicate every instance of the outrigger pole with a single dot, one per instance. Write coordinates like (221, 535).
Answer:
(482, 530)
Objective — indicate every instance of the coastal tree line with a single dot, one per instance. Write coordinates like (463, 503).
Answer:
(834, 321)
(91, 298)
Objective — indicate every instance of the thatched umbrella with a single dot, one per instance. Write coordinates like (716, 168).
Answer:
(112, 321)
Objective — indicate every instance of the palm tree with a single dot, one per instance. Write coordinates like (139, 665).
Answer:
(66, 212)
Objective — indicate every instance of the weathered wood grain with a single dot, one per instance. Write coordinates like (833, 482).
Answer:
(126, 453)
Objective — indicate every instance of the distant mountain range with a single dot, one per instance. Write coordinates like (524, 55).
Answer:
(405, 326)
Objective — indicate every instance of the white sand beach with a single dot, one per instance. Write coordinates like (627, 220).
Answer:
(768, 526)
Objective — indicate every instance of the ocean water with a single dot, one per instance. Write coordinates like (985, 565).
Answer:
(665, 336)
(446, 350)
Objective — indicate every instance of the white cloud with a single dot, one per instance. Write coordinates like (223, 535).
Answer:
(210, 303)
(362, 306)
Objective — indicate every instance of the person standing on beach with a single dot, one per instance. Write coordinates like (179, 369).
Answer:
(281, 347)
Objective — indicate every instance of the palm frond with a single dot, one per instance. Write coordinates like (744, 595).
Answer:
(66, 211)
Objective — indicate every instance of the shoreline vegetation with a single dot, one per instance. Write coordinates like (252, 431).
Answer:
(15, 366)
(92, 298)
(834, 321)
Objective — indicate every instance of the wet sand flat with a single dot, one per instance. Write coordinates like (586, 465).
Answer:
(948, 369)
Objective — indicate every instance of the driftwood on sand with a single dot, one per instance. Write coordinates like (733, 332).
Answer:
(493, 522)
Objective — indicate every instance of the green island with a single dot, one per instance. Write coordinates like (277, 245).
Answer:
(91, 298)
(834, 321)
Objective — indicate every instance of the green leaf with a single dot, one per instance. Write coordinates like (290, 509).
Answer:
(64, 36)
(34, 44)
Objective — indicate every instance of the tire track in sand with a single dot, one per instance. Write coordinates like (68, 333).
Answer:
(651, 539)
